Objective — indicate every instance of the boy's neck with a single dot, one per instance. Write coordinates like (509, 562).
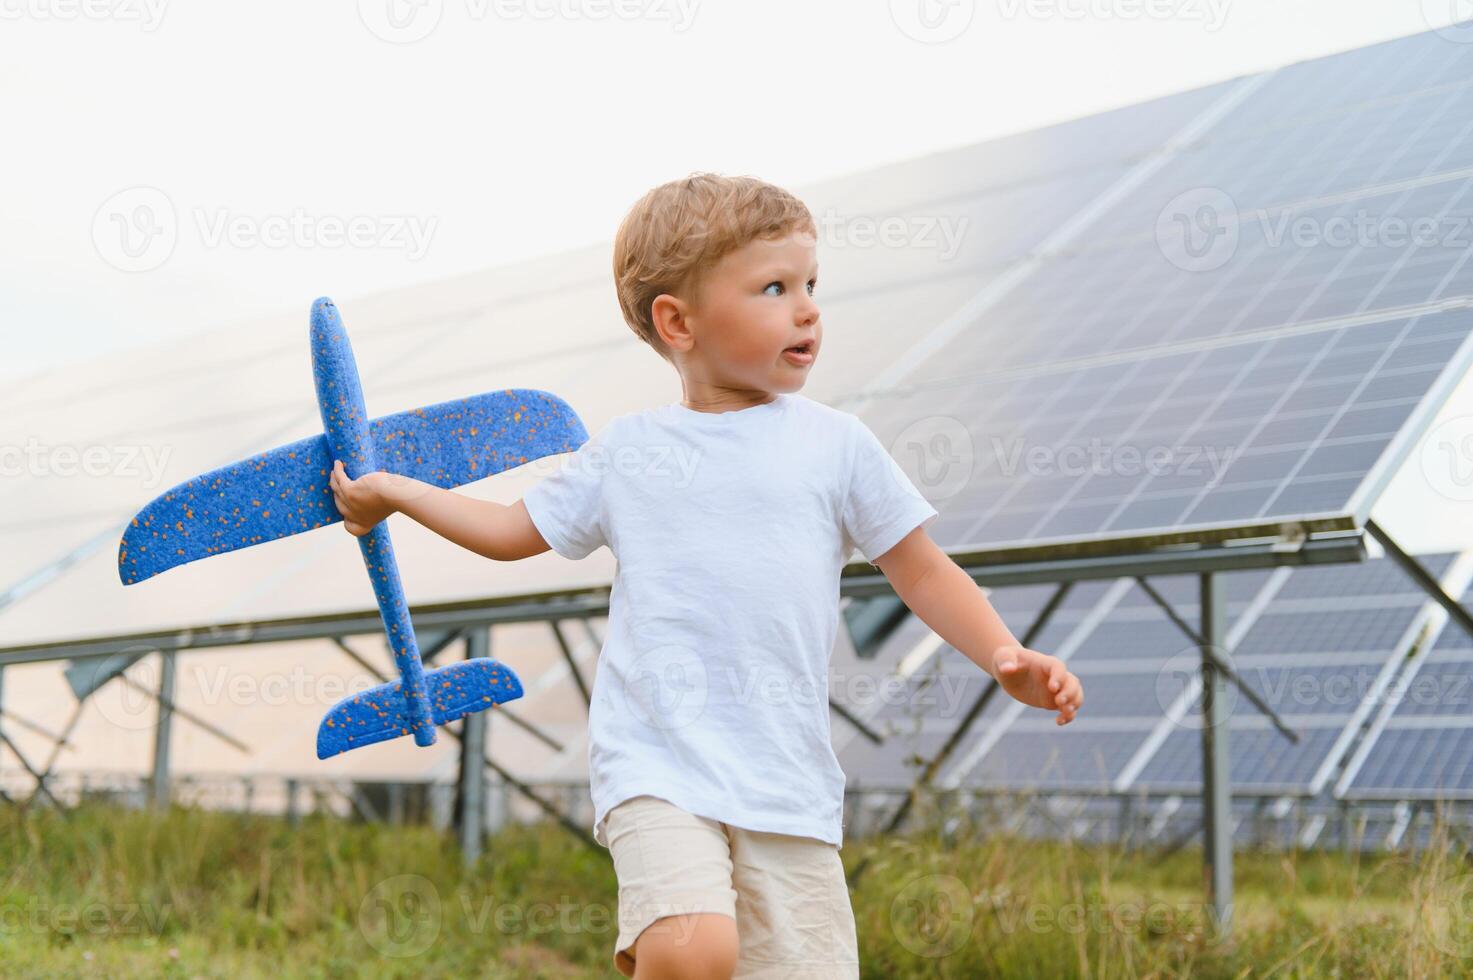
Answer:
(713, 398)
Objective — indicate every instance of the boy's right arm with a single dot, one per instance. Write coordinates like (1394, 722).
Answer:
(494, 531)
(498, 531)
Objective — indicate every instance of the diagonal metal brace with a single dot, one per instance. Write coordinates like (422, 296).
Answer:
(1425, 579)
(1227, 671)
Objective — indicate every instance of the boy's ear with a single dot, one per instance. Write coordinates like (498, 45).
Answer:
(669, 315)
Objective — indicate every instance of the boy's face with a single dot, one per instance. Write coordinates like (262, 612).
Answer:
(752, 306)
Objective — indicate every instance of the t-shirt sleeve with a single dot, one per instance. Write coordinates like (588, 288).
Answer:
(567, 507)
(881, 504)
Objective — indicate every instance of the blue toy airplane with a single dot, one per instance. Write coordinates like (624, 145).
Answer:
(285, 491)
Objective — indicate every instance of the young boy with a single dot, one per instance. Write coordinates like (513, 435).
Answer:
(714, 783)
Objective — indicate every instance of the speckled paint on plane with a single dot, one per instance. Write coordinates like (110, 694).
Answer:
(286, 491)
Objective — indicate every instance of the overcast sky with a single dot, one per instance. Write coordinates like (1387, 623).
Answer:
(443, 136)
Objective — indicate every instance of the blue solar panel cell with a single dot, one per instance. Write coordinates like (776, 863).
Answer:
(1130, 694)
(1262, 761)
(1418, 763)
(1373, 624)
(1375, 577)
(1065, 758)
(896, 762)
(1440, 688)
(1453, 638)
(1049, 465)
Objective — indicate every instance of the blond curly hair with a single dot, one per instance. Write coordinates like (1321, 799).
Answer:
(677, 231)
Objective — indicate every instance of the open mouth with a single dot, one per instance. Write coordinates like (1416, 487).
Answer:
(799, 355)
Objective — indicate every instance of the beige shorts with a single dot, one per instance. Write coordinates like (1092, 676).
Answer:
(786, 893)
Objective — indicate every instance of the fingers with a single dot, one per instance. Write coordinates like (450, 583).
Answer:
(1006, 660)
(338, 480)
(1057, 672)
(1069, 700)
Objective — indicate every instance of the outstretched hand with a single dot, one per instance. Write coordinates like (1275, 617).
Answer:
(1040, 680)
(362, 502)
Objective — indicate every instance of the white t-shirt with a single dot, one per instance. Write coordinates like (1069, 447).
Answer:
(730, 530)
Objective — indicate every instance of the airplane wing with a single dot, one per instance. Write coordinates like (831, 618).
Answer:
(285, 491)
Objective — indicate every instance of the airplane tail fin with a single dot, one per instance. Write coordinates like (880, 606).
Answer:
(381, 713)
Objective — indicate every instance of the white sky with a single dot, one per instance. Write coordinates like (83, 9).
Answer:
(518, 127)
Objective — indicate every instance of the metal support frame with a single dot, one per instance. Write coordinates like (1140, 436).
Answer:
(546, 807)
(45, 774)
(25, 763)
(429, 657)
(1418, 573)
(472, 750)
(1217, 817)
(159, 784)
(989, 689)
(562, 643)
(858, 580)
(1219, 662)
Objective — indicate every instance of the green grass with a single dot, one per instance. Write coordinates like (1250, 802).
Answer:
(111, 892)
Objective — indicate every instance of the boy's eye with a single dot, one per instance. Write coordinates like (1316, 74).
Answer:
(812, 285)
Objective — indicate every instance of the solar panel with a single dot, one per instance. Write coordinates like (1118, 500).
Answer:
(1248, 436)
(920, 687)
(1277, 383)
(1421, 744)
(1321, 663)
(1140, 731)
(1133, 662)
(910, 243)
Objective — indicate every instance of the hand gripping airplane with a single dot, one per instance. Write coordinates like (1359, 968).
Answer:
(285, 491)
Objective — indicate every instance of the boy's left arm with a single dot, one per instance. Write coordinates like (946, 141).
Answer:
(947, 600)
